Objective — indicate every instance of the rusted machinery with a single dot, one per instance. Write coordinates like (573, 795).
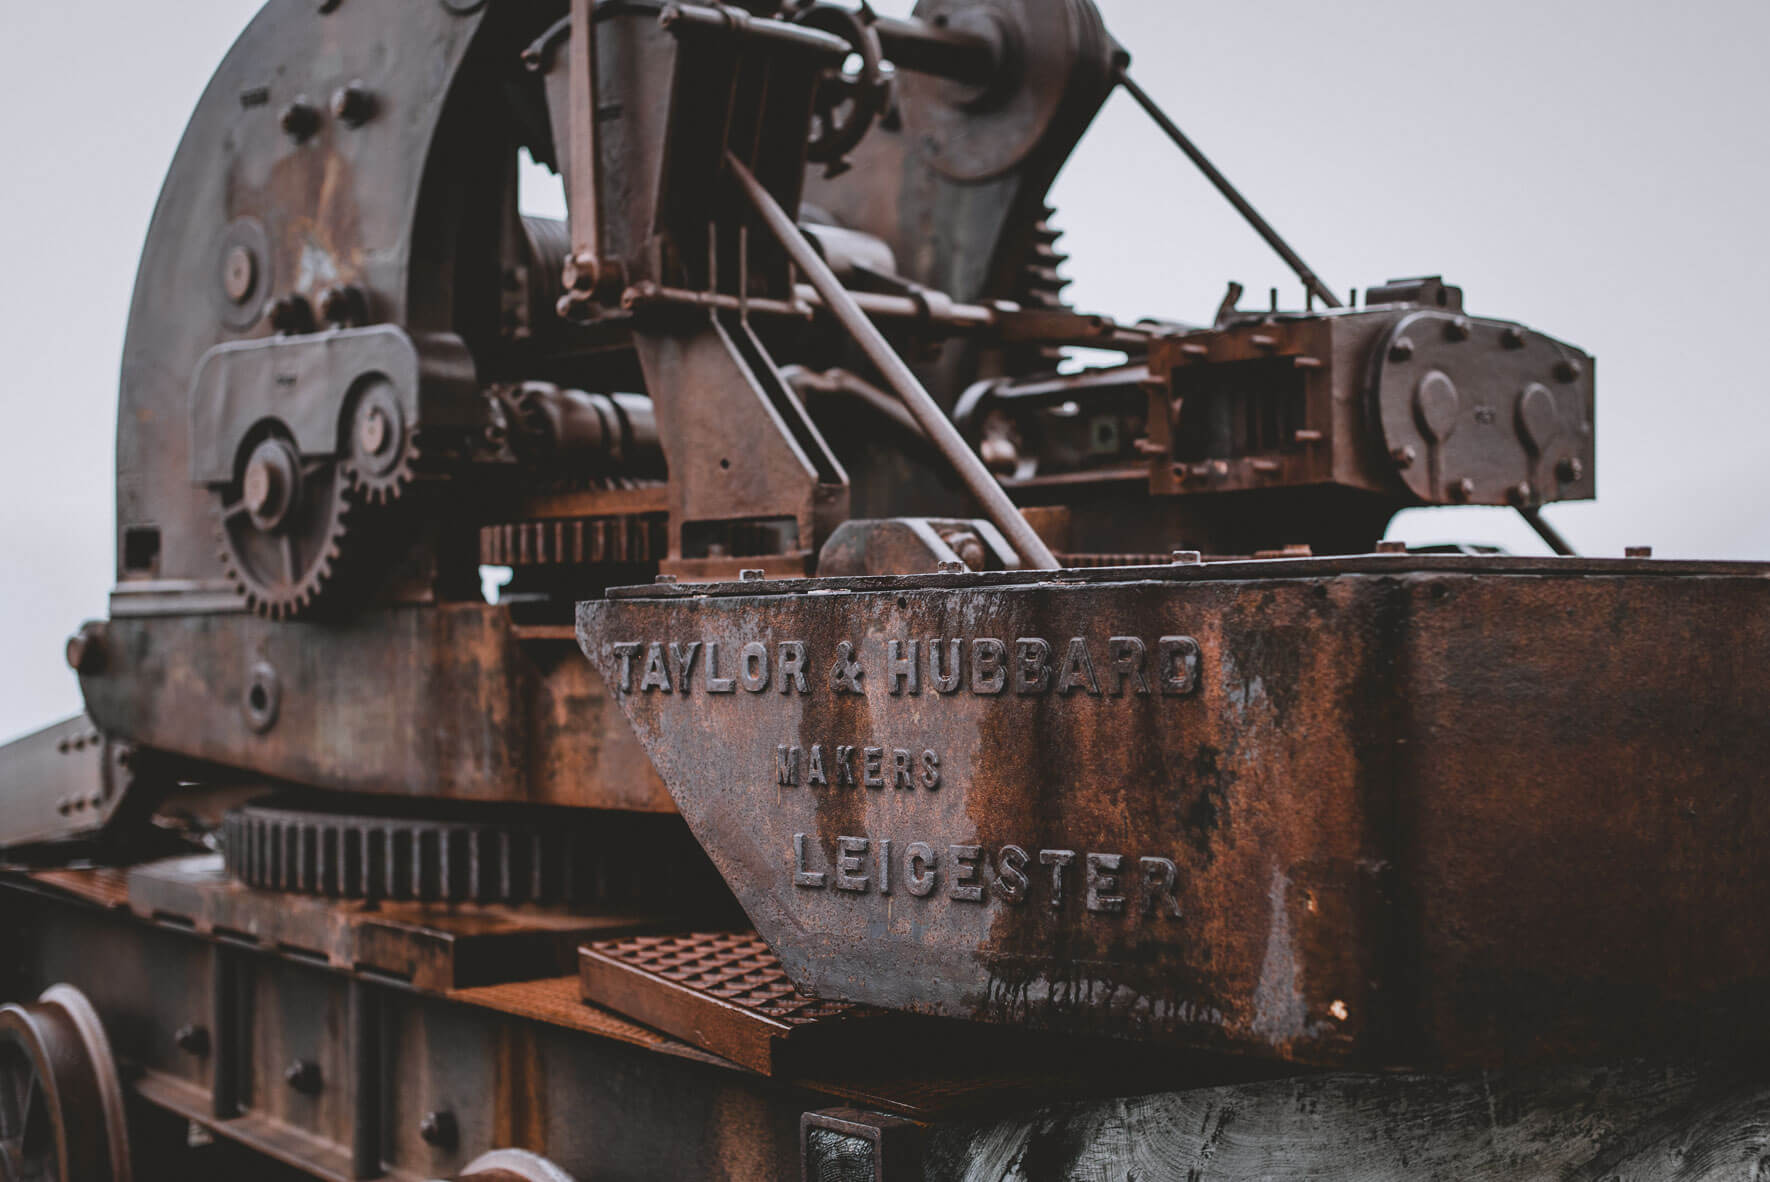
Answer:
(895, 754)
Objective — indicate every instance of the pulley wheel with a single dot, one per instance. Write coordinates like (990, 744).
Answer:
(61, 1105)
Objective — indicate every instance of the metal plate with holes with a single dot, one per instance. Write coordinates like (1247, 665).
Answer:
(1393, 810)
(64, 781)
(722, 991)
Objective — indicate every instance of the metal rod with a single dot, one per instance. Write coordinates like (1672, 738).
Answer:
(1533, 516)
(1260, 224)
(1034, 554)
(364, 1012)
(583, 218)
(954, 54)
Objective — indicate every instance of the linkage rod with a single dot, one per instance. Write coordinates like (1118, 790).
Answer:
(1034, 554)
(1261, 226)
(1548, 533)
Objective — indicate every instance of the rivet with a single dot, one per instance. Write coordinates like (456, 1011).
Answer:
(1512, 337)
(1568, 370)
(1463, 489)
(1456, 329)
(1401, 350)
(1570, 469)
(1404, 456)
(1520, 493)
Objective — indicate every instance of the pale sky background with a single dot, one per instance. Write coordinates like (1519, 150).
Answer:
(1595, 168)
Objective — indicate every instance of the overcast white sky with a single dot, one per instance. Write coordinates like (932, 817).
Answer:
(1595, 168)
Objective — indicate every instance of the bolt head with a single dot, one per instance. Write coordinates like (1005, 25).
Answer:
(292, 314)
(191, 1039)
(1512, 337)
(1568, 370)
(304, 1076)
(1463, 489)
(354, 104)
(1401, 350)
(1404, 456)
(1456, 329)
(581, 272)
(260, 486)
(372, 433)
(344, 305)
(239, 274)
(437, 1128)
(85, 649)
(1520, 493)
(1570, 469)
(300, 119)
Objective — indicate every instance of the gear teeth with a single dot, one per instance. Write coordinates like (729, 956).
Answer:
(384, 490)
(1041, 285)
(281, 600)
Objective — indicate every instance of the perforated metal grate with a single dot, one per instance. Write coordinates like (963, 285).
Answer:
(722, 991)
(736, 968)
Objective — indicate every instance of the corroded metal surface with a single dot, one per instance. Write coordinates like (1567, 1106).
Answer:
(723, 991)
(458, 705)
(1349, 812)
(1384, 810)
(429, 947)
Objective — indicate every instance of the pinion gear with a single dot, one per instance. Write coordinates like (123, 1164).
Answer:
(282, 528)
(380, 447)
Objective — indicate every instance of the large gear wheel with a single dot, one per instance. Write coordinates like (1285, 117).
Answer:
(381, 447)
(282, 527)
(61, 1105)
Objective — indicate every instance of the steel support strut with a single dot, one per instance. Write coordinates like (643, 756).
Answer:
(1033, 552)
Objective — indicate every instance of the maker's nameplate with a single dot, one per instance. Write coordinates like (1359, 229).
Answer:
(1115, 666)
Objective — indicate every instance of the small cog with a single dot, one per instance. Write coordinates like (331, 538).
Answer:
(381, 448)
(281, 529)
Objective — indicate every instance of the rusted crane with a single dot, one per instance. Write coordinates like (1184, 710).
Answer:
(896, 753)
